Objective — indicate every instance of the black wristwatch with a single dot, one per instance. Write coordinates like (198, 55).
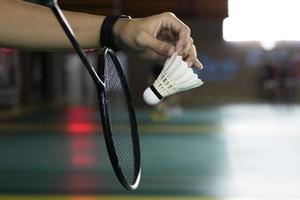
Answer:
(107, 38)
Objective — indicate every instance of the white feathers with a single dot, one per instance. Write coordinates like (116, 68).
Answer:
(175, 76)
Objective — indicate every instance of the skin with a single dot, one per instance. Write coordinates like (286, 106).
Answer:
(25, 25)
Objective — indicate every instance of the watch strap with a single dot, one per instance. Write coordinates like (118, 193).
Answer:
(107, 37)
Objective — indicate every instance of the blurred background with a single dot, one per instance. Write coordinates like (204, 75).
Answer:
(236, 137)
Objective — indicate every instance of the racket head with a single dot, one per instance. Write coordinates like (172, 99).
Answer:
(119, 121)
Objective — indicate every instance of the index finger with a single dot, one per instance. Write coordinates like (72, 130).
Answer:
(181, 29)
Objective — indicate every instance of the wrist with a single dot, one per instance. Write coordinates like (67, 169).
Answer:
(111, 31)
(122, 32)
(119, 30)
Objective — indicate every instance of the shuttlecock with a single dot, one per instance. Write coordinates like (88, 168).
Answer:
(175, 76)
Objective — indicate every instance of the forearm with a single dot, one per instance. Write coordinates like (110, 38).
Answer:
(25, 25)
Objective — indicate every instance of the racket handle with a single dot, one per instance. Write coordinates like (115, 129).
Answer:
(48, 3)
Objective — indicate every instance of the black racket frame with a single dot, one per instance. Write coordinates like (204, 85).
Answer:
(106, 123)
(100, 85)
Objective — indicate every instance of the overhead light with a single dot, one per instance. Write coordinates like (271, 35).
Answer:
(268, 45)
(266, 21)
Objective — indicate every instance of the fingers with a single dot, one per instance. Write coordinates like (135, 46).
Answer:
(185, 44)
(182, 30)
(185, 52)
(153, 45)
(189, 54)
(162, 48)
(192, 58)
(152, 55)
(184, 40)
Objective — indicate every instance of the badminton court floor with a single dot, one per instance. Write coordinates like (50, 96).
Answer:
(233, 152)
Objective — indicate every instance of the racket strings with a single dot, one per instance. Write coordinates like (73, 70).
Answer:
(118, 114)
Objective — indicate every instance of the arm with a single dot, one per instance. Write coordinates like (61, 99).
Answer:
(27, 25)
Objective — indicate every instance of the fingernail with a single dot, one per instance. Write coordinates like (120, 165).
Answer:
(200, 64)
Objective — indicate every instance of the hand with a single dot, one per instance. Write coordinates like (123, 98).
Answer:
(156, 37)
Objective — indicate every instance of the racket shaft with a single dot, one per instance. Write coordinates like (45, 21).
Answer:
(69, 32)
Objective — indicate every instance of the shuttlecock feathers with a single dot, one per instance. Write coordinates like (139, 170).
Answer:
(175, 76)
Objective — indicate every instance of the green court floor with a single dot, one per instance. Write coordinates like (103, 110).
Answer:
(229, 152)
(81, 197)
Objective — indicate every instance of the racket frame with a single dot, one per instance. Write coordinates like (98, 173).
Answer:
(100, 85)
(107, 127)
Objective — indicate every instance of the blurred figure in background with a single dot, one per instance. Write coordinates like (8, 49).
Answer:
(268, 83)
(295, 71)
(277, 83)
(286, 83)
(9, 78)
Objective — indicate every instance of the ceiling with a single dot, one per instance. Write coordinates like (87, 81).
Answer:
(140, 8)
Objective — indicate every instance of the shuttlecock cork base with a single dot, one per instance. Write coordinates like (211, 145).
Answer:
(152, 96)
(175, 76)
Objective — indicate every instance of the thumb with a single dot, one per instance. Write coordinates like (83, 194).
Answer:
(146, 40)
